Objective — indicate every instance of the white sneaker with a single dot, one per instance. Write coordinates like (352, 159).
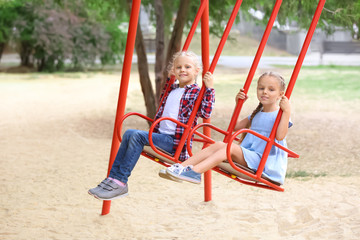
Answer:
(163, 174)
(175, 169)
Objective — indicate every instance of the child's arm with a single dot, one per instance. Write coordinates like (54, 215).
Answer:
(243, 123)
(285, 117)
(209, 96)
(240, 124)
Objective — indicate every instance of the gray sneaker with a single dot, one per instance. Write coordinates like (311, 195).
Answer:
(93, 191)
(111, 191)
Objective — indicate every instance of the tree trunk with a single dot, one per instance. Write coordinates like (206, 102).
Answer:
(143, 69)
(160, 46)
(25, 53)
(175, 41)
(2, 47)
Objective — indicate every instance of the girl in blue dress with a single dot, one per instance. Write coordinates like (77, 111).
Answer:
(270, 93)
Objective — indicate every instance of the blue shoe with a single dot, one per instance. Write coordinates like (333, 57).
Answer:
(188, 175)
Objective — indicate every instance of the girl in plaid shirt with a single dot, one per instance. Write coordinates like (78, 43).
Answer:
(178, 104)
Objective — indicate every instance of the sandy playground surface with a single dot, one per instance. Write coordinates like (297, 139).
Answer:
(55, 143)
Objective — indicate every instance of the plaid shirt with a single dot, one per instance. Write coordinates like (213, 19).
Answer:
(187, 103)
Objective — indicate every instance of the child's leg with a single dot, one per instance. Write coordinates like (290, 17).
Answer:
(121, 151)
(128, 159)
(218, 156)
(203, 154)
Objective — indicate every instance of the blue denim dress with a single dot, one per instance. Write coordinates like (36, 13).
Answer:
(253, 148)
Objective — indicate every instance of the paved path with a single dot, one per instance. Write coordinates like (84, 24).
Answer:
(311, 59)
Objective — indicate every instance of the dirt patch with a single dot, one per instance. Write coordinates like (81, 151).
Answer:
(55, 143)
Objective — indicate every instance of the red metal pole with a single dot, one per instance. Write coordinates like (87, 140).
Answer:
(130, 43)
(205, 59)
(225, 35)
(199, 15)
(254, 67)
(292, 81)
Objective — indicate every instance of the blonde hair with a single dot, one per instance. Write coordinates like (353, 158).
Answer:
(277, 76)
(260, 106)
(189, 54)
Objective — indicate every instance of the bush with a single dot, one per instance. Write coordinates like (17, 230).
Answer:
(50, 35)
(8, 14)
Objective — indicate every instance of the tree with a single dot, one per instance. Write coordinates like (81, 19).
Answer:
(8, 14)
(160, 45)
(49, 32)
(335, 14)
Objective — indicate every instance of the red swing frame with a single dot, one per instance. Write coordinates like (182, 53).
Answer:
(120, 117)
(257, 178)
(203, 13)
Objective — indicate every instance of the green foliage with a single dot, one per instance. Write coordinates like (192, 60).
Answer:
(50, 33)
(336, 13)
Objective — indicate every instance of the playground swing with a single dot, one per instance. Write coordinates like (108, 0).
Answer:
(240, 173)
(151, 151)
(155, 154)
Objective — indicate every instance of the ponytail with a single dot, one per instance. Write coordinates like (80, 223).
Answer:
(257, 109)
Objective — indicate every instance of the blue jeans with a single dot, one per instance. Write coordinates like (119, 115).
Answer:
(132, 144)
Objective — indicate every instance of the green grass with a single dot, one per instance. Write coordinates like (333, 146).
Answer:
(304, 175)
(330, 82)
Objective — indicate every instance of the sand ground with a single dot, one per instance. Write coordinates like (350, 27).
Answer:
(55, 143)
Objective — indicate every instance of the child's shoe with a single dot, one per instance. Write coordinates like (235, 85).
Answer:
(163, 174)
(93, 191)
(111, 191)
(187, 174)
(175, 169)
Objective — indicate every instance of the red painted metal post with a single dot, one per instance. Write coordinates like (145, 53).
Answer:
(205, 60)
(225, 35)
(253, 68)
(130, 43)
(292, 81)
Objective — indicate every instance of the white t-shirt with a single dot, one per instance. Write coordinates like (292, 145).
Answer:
(171, 109)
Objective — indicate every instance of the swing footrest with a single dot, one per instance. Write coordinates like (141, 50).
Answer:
(226, 167)
(149, 151)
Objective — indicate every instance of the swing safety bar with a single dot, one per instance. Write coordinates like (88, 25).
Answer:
(254, 178)
(258, 175)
